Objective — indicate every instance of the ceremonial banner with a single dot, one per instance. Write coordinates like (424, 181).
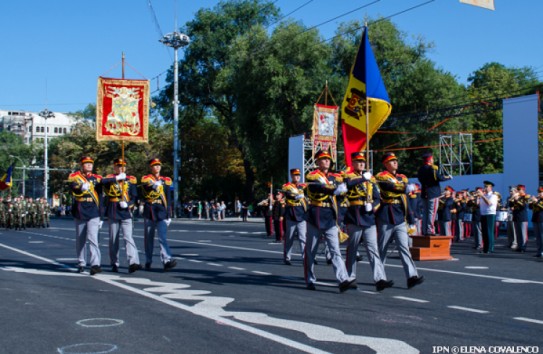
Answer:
(5, 181)
(487, 4)
(122, 110)
(365, 87)
(325, 129)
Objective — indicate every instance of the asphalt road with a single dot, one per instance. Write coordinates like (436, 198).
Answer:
(231, 293)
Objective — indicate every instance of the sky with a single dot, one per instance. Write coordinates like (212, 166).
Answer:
(53, 51)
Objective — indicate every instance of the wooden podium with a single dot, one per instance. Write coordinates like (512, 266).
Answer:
(431, 248)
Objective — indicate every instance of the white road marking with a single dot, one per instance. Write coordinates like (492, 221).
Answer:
(334, 285)
(195, 261)
(260, 273)
(370, 292)
(469, 309)
(100, 322)
(516, 281)
(189, 254)
(204, 241)
(475, 267)
(531, 320)
(236, 268)
(412, 299)
(35, 241)
(91, 348)
(215, 264)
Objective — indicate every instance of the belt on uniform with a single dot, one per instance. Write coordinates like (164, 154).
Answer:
(294, 204)
(155, 201)
(391, 201)
(84, 199)
(115, 199)
(322, 204)
(357, 202)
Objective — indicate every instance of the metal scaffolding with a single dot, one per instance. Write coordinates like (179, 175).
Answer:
(456, 154)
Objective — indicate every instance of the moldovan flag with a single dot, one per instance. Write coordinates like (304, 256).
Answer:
(365, 85)
(5, 181)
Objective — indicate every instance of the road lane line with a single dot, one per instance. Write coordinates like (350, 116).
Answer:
(215, 264)
(412, 299)
(260, 273)
(236, 268)
(531, 320)
(468, 309)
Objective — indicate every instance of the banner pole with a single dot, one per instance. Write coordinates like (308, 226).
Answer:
(122, 141)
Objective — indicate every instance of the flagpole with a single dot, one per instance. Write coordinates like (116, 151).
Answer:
(367, 119)
(122, 141)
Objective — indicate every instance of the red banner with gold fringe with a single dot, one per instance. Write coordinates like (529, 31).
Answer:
(122, 110)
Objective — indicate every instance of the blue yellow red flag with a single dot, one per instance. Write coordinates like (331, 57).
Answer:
(366, 86)
(5, 181)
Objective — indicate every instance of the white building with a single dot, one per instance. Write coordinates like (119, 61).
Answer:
(31, 127)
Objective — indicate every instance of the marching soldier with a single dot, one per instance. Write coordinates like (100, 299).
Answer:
(488, 203)
(519, 205)
(364, 200)
(323, 186)
(87, 202)
(121, 193)
(392, 216)
(157, 213)
(295, 214)
(536, 204)
(429, 178)
(278, 213)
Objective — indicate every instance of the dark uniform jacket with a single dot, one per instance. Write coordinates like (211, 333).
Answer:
(86, 204)
(158, 205)
(394, 208)
(520, 208)
(414, 202)
(429, 178)
(537, 210)
(116, 192)
(444, 209)
(278, 210)
(323, 212)
(358, 190)
(473, 208)
(295, 210)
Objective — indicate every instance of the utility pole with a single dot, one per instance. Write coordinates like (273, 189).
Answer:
(46, 114)
(175, 40)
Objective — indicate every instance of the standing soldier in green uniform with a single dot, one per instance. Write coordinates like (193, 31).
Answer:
(46, 212)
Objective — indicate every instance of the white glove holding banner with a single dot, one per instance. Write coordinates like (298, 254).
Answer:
(168, 222)
(369, 207)
(367, 175)
(299, 196)
(85, 186)
(157, 184)
(410, 188)
(342, 188)
(121, 176)
(123, 204)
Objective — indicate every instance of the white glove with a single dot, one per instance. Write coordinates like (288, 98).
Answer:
(450, 177)
(410, 188)
(168, 222)
(299, 196)
(157, 184)
(367, 175)
(121, 176)
(342, 188)
(123, 204)
(85, 186)
(100, 224)
(369, 207)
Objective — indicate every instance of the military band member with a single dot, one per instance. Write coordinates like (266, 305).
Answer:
(444, 212)
(364, 200)
(414, 202)
(429, 178)
(157, 213)
(295, 214)
(536, 204)
(511, 234)
(519, 205)
(323, 186)
(458, 217)
(278, 214)
(488, 204)
(86, 188)
(3, 219)
(392, 214)
(121, 193)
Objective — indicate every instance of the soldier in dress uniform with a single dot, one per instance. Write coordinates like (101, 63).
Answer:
(429, 178)
(157, 214)
(295, 214)
(267, 206)
(322, 188)
(391, 216)
(86, 188)
(445, 210)
(459, 207)
(364, 200)
(121, 194)
(47, 212)
(536, 204)
(2, 212)
(519, 205)
(278, 214)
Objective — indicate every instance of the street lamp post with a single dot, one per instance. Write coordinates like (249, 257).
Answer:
(175, 40)
(46, 114)
(24, 172)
